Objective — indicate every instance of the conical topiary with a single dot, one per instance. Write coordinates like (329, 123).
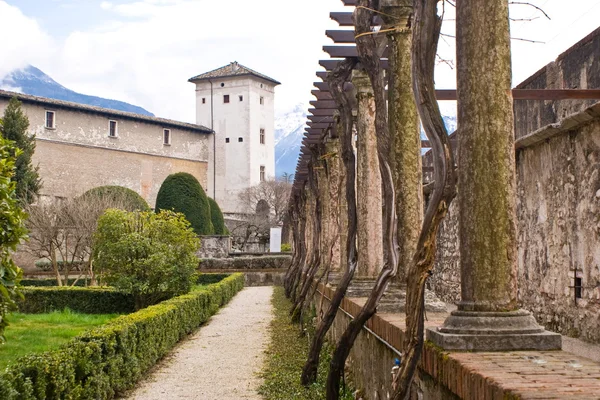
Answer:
(121, 196)
(216, 216)
(181, 192)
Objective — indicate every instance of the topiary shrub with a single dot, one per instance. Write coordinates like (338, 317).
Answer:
(182, 193)
(122, 197)
(216, 216)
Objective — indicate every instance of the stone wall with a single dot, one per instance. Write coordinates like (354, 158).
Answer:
(576, 68)
(214, 246)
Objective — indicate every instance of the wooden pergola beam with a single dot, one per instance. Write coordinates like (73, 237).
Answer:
(345, 19)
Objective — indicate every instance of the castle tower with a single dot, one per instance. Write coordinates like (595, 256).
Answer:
(238, 104)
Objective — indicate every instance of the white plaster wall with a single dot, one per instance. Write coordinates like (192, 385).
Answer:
(238, 163)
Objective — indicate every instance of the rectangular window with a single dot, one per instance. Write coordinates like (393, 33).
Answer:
(112, 128)
(204, 100)
(241, 98)
(262, 136)
(262, 100)
(578, 288)
(226, 98)
(262, 173)
(50, 122)
(226, 140)
(167, 136)
(240, 139)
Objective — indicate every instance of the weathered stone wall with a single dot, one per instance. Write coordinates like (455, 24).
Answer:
(214, 246)
(576, 68)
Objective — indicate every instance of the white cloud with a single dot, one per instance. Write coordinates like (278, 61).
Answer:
(23, 41)
(106, 5)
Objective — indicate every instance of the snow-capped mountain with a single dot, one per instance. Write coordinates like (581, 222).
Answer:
(289, 129)
(32, 81)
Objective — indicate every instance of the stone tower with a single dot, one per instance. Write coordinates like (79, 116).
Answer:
(238, 104)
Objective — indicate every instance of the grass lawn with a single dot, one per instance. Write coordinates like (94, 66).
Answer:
(36, 333)
(286, 356)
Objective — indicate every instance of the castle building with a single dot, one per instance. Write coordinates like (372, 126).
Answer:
(238, 104)
(79, 147)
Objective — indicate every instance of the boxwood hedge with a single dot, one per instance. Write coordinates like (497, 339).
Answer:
(90, 300)
(108, 360)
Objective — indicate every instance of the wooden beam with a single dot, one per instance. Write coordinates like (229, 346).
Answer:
(347, 51)
(320, 95)
(345, 19)
(320, 111)
(314, 130)
(556, 94)
(331, 64)
(319, 125)
(341, 36)
(324, 104)
(322, 75)
(320, 118)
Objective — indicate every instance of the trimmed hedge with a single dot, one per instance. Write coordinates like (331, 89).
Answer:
(90, 300)
(108, 360)
(209, 279)
(44, 282)
(181, 192)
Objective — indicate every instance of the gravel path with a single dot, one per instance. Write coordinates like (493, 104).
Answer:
(222, 359)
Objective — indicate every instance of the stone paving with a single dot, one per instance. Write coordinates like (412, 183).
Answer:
(221, 360)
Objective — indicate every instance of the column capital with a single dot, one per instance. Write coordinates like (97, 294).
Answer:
(361, 82)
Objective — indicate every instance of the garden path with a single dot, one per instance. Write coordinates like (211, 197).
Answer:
(222, 359)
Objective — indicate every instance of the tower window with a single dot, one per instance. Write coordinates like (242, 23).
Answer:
(262, 173)
(262, 136)
(240, 139)
(226, 98)
(578, 288)
(262, 100)
(227, 140)
(50, 122)
(112, 129)
(167, 137)
(241, 98)
(222, 85)
(204, 100)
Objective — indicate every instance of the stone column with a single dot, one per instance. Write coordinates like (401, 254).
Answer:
(488, 317)
(332, 198)
(368, 182)
(342, 203)
(405, 157)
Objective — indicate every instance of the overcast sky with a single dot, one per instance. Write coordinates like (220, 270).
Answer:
(144, 51)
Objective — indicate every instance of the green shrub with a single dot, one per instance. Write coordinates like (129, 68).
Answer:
(151, 256)
(208, 279)
(286, 247)
(91, 300)
(181, 192)
(108, 360)
(12, 231)
(45, 282)
(122, 197)
(216, 217)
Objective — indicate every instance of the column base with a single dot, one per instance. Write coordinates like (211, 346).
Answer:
(493, 331)
(394, 298)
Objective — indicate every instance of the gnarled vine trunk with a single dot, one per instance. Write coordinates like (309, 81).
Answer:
(369, 56)
(426, 32)
(336, 80)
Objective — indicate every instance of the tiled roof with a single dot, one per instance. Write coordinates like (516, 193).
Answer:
(104, 111)
(230, 70)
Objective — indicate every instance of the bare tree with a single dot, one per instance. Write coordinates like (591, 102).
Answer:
(62, 231)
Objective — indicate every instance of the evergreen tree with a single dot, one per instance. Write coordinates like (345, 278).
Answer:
(14, 127)
(216, 216)
(181, 192)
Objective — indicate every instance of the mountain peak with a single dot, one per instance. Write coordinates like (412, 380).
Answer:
(31, 80)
